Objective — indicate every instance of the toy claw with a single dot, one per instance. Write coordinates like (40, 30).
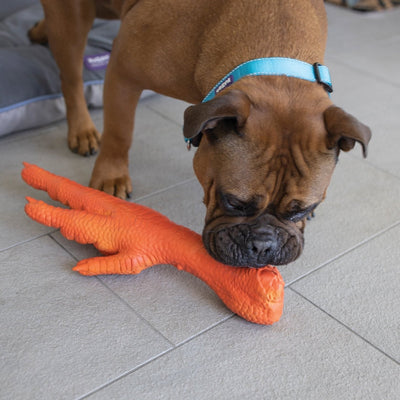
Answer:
(135, 237)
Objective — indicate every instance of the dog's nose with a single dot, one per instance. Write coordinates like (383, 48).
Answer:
(264, 248)
(260, 248)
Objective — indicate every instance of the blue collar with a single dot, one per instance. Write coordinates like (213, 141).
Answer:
(275, 66)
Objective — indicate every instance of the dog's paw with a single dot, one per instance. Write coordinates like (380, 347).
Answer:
(112, 179)
(85, 142)
(119, 187)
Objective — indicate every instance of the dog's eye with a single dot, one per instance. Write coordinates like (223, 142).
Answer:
(236, 207)
(297, 213)
(297, 217)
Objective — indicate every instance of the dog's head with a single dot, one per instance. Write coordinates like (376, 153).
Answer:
(265, 165)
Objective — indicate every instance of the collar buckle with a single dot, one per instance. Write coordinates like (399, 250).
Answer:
(326, 86)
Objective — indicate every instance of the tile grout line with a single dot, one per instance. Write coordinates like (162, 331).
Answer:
(165, 189)
(152, 359)
(28, 240)
(140, 316)
(198, 334)
(375, 166)
(123, 375)
(49, 235)
(123, 301)
(381, 169)
(356, 246)
(346, 327)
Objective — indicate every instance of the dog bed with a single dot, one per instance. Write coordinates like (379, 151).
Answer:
(30, 87)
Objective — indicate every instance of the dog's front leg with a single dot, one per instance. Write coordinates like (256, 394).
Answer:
(121, 95)
(67, 24)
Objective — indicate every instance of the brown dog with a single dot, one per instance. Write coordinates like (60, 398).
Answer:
(267, 144)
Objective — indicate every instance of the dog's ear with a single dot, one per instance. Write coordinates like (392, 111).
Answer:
(344, 130)
(204, 117)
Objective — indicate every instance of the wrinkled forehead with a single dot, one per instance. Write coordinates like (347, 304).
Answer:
(278, 175)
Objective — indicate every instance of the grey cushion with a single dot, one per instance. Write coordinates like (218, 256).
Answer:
(30, 87)
(8, 7)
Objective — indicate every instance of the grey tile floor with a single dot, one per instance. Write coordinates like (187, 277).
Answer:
(164, 334)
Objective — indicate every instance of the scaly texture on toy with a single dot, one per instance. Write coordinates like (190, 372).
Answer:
(135, 237)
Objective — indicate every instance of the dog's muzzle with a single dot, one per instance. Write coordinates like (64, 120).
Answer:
(265, 240)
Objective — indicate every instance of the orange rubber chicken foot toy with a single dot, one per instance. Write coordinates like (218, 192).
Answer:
(134, 237)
